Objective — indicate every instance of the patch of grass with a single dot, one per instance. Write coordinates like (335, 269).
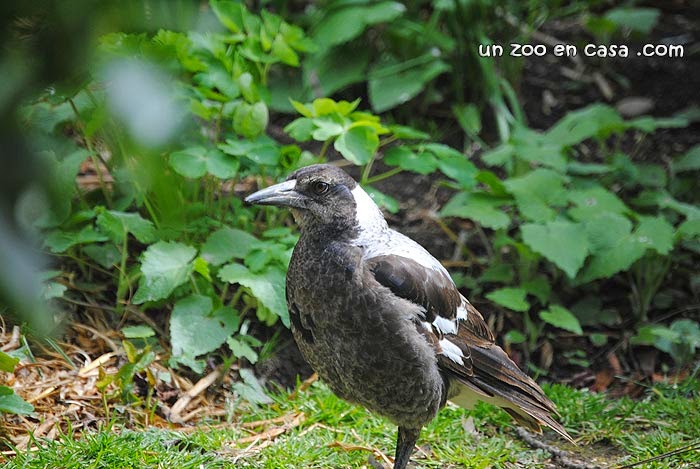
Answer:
(610, 432)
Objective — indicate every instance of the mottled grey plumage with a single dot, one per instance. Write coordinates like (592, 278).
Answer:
(380, 320)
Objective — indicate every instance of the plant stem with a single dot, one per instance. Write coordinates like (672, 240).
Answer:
(380, 177)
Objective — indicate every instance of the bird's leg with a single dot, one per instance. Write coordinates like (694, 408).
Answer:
(404, 446)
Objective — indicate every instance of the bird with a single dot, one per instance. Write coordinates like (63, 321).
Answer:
(381, 321)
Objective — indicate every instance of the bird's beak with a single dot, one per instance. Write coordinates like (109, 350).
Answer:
(282, 194)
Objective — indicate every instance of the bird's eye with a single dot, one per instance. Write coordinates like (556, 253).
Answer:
(320, 187)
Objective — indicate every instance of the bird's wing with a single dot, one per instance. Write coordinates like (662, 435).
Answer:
(463, 343)
(451, 324)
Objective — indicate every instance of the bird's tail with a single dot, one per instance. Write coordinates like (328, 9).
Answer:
(497, 380)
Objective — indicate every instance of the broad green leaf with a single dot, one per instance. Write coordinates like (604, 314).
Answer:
(358, 145)
(61, 176)
(267, 286)
(11, 403)
(191, 162)
(165, 266)
(531, 146)
(300, 129)
(502, 155)
(241, 349)
(616, 247)
(262, 151)
(459, 168)
(690, 161)
(392, 84)
(562, 318)
(107, 255)
(562, 242)
(60, 241)
(537, 192)
(250, 389)
(594, 200)
(539, 287)
(53, 290)
(344, 24)
(250, 120)
(228, 243)
(117, 224)
(138, 332)
(7, 362)
(594, 121)
(655, 233)
(511, 298)
(637, 19)
(383, 200)
(690, 229)
(480, 207)
(195, 329)
(404, 158)
(327, 127)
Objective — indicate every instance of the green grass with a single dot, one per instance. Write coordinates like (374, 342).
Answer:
(610, 432)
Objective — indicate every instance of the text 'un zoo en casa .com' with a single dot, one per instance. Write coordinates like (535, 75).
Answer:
(589, 50)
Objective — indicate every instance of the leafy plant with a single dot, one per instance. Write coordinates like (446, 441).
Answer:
(580, 221)
(10, 402)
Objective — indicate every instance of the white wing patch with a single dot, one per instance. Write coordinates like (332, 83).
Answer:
(444, 325)
(451, 351)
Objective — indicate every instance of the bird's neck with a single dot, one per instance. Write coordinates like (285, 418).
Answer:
(370, 220)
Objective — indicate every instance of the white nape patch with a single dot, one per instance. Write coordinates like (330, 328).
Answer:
(369, 217)
(451, 351)
(378, 240)
(447, 326)
(427, 326)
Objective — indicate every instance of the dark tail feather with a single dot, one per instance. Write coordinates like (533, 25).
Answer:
(495, 375)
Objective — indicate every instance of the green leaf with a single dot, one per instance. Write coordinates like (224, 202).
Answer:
(282, 51)
(60, 241)
(540, 287)
(228, 243)
(358, 145)
(11, 403)
(241, 349)
(596, 120)
(107, 255)
(562, 242)
(165, 266)
(408, 133)
(537, 192)
(460, 169)
(690, 229)
(382, 200)
(327, 127)
(655, 233)
(690, 161)
(511, 298)
(394, 84)
(480, 207)
(616, 247)
(53, 290)
(190, 162)
(594, 200)
(117, 224)
(250, 120)
(138, 332)
(7, 362)
(562, 318)
(469, 118)
(250, 388)
(230, 13)
(637, 19)
(195, 329)
(404, 158)
(267, 286)
(344, 24)
(300, 129)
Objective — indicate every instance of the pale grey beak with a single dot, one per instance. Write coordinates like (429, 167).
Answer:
(282, 194)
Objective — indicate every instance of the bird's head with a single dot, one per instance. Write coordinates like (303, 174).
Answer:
(323, 197)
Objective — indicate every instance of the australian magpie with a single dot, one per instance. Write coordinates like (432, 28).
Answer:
(381, 321)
